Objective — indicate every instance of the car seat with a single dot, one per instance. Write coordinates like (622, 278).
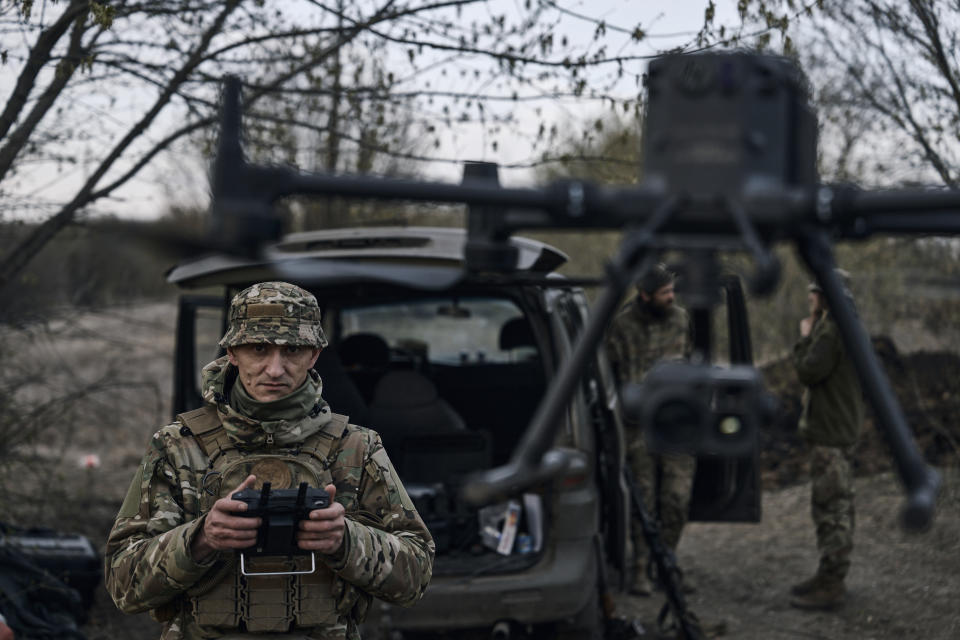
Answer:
(339, 388)
(516, 333)
(406, 405)
(366, 357)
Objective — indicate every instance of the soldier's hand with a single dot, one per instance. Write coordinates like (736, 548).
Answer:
(222, 529)
(323, 530)
(806, 325)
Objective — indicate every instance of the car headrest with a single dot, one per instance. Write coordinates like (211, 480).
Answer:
(516, 332)
(364, 349)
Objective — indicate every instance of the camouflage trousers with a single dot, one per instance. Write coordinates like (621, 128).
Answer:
(665, 482)
(831, 504)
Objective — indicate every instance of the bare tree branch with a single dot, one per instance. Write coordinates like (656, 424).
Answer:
(65, 69)
(16, 259)
(891, 64)
(938, 55)
(173, 54)
(39, 55)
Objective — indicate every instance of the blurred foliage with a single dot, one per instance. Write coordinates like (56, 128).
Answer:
(80, 393)
(606, 150)
(82, 267)
(904, 289)
(333, 213)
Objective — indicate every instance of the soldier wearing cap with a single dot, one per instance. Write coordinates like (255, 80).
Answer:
(173, 546)
(647, 330)
(830, 426)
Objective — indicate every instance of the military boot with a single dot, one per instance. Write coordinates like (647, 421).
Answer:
(808, 585)
(825, 596)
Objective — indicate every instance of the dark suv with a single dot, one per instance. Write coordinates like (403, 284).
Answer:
(449, 367)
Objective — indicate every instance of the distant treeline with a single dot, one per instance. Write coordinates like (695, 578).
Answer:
(109, 262)
(905, 289)
(83, 266)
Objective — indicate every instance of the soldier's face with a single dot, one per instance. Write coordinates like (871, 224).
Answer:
(815, 303)
(661, 299)
(270, 371)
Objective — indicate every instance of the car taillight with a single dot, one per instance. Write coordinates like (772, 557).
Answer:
(574, 479)
(577, 472)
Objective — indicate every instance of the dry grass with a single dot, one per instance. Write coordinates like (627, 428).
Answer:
(92, 384)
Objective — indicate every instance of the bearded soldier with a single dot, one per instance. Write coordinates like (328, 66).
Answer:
(830, 425)
(647, 330)
(173, 546)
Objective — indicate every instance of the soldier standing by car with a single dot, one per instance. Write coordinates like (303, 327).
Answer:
(649, 329)
(172, 549)
(830, 425)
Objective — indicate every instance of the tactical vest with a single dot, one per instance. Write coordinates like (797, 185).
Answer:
(226, 598)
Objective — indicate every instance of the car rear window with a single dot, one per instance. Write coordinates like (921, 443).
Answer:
(453, 331)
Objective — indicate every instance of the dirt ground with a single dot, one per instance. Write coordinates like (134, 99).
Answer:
(900, 586)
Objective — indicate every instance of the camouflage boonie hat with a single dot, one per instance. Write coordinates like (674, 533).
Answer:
(274, 313)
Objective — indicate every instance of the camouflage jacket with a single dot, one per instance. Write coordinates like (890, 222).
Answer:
(832, 402)
(387, 550)
(637, 340)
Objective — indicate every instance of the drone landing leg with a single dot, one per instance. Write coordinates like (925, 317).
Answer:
(921, 482)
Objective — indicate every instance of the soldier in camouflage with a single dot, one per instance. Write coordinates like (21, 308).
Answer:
(830, 425)
(647, 330)
(173, 546)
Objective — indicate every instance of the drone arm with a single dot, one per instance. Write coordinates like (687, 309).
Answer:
(529, 464)
(854, 213)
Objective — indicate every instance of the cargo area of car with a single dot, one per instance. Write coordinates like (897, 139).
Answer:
(442, 416)
(498, 401)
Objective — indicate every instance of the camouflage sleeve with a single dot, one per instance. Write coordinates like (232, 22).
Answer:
(613, 345)
(388, 551)
(816, 355)
(147, 558)
(687, 335)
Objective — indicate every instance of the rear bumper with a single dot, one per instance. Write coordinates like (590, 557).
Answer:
(555, 588)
